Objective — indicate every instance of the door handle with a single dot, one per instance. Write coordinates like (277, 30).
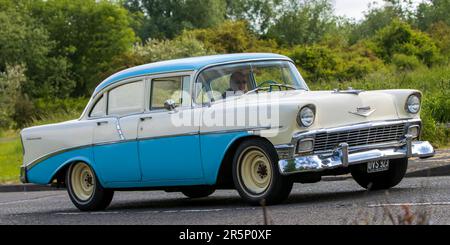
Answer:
(101, 123)
(146, 118)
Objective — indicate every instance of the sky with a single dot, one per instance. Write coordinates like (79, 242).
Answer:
(355, 8)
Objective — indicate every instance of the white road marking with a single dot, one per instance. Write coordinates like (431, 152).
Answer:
(409, 204)
(28, 200)
(153, 212)
(90, 213)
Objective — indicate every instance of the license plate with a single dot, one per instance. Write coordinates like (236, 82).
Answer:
(377, 166)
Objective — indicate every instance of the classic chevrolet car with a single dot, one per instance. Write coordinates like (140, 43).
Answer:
(241, 121)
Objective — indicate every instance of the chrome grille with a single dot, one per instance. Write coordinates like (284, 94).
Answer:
(357, 137)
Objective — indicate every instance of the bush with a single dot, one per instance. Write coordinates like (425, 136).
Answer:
(46, 107)
(440, 32)
(405, 62)
(232, 37)
(400, 38)
(181, 47)
(320, 62)
(316, 62)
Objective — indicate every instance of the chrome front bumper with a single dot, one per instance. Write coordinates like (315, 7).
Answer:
(343, 156)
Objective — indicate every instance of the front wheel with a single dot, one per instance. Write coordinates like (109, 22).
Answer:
(256, 175)
(84, 189)
(381, 180)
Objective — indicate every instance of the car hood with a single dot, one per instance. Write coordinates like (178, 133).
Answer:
(334, 109)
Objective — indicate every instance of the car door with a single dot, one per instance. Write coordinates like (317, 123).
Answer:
(168, 145)
(115, 135)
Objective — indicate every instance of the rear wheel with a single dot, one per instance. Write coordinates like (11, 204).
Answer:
(198, 192)
(84, 189)
(381, 180)
(256, 175)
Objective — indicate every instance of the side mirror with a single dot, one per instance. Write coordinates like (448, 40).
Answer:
(170, 105)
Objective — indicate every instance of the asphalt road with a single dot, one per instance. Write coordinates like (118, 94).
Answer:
(424, 199)
(328, 202)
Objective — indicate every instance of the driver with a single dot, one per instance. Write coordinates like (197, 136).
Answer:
(238, 84)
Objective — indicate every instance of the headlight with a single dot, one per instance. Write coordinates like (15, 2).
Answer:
(413, 104)
(306, 116)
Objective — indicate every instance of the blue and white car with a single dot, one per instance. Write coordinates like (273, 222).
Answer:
(243, 121)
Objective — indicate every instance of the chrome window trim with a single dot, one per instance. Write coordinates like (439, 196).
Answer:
(126, 114)
(169, 75)
(198, 72)
(105, 92)
(145, 77)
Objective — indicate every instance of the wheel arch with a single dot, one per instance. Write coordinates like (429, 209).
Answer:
(60, 174)
(224, 176)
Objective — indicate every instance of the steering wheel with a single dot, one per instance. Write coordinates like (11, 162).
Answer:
(266, 82)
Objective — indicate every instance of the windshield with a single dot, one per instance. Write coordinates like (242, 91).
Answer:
(226, 81)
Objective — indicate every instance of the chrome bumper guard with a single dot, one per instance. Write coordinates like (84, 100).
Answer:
(341, 157)
(23, 175)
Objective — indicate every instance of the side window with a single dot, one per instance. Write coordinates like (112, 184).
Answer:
(126, 99)
(99, 109)
(170, 88)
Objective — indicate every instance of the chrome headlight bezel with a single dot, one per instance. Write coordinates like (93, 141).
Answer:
(306, 116)
(413, 103)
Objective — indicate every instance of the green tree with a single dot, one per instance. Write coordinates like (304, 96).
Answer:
(24, 41)
(377, 18)
(432, 12)
(440, 32)
(168, 18)
(306, 23)
(259, 13)
(89, 33)
(11, 82)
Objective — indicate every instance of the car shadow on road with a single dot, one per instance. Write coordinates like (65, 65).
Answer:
(232, 202)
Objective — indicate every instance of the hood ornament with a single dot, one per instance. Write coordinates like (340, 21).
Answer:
(363, 111)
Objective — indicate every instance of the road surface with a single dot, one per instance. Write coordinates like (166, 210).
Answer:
(327, 202)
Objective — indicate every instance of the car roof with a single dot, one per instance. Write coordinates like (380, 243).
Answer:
(187, 64)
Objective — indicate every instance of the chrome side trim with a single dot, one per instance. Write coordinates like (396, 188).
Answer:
(33, 163)
(342, 158)
(119, 130)
(34, 138)
(251, 130)
(61, 151)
